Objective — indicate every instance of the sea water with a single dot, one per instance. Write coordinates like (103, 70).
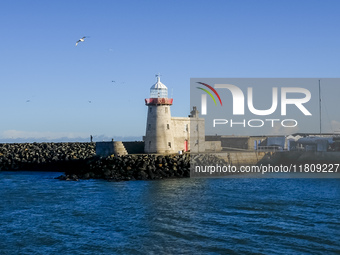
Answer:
(42, 215)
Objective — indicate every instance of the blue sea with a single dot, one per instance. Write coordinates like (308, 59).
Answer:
(42, 215)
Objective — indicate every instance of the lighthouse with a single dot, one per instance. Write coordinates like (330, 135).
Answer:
(159, 134)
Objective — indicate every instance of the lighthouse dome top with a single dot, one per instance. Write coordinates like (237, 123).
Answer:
(158, 90)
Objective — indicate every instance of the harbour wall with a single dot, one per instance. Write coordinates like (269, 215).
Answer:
(79, 161)
(43, 156)
(55, 156)
(237, 158)
(304, 157)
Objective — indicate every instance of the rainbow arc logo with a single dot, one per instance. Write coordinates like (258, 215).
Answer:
(204, 97)
(209, 93)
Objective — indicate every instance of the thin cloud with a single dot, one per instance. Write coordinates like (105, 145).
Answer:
(19, 134)
(280, 130)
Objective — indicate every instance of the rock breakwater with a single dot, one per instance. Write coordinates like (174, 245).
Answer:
(79, 161)
(43, 156)
(139, 167)
(132, 167)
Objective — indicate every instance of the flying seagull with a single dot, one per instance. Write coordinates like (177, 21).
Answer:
(80, 40)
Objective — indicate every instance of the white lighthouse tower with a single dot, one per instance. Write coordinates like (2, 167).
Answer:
(159, 134)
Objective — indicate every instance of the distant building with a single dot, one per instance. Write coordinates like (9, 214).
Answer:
(312, 142)
(167, 134)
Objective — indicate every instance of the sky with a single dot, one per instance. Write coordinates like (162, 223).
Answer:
(55, 91)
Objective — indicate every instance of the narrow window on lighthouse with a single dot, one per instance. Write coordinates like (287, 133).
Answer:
(167, 126)
(166, 109)
(169, 144)
(150, 109)
(149, 126)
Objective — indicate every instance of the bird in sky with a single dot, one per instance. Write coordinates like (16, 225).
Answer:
(80, 40)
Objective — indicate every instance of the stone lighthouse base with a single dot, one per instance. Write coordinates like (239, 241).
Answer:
(105, 149)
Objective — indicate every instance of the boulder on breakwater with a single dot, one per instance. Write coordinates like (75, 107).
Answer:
(43, 156)
(138, 167)
(79, 161)
(131, 167)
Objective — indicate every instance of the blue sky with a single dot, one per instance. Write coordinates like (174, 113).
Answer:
(46, 82)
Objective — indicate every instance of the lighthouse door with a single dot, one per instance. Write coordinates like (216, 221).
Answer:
(186, 145)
